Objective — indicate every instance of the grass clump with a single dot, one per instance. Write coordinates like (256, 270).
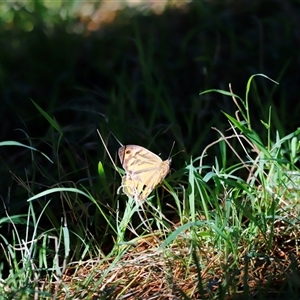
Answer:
(228, 230)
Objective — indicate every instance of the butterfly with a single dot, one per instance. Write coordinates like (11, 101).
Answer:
(144, 171)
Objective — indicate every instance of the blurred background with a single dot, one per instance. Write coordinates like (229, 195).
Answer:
(74, 58)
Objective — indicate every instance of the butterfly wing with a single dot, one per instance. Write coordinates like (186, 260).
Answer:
(142, 185)
(144, 170)
(136, 159)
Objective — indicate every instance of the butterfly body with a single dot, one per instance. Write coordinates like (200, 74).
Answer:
(144, 170)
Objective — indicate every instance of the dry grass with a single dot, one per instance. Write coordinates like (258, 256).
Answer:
(145, 272)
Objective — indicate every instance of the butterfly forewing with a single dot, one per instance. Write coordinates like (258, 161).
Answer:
(136, 159)
(144, 170)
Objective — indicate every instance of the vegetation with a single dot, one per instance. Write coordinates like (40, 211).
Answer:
(224, 224)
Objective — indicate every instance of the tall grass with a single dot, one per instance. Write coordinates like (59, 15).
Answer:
(223, 216)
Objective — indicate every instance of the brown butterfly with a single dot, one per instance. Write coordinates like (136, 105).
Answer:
(144, 171)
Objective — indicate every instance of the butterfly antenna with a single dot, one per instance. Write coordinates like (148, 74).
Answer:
(172, 150)
(107, 150)
(117, 139)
